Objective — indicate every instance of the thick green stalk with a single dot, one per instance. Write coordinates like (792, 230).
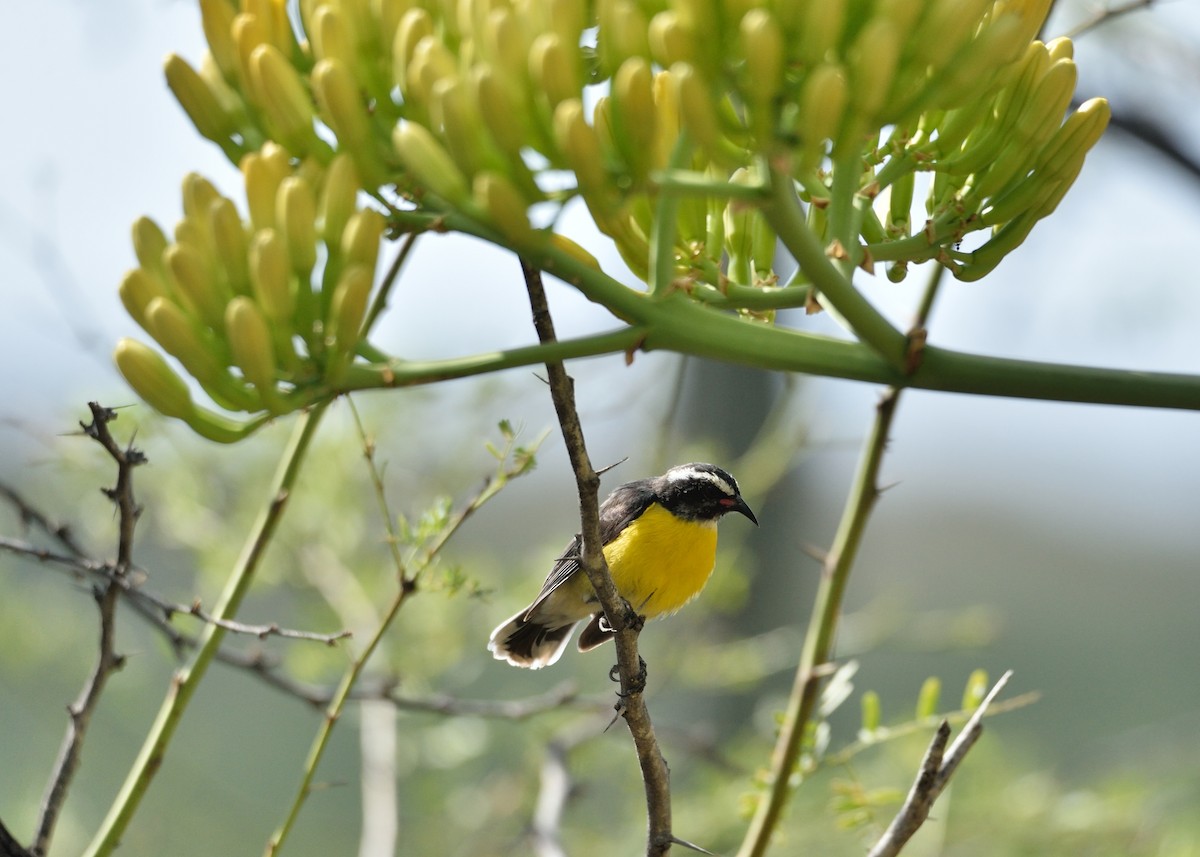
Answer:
(841, 298)
(822, 627)
(188, 678)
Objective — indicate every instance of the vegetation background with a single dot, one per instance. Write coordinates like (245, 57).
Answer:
(1059, 541)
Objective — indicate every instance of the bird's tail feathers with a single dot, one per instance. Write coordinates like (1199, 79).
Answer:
(529, 644)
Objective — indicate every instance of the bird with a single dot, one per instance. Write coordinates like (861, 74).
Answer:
(659, 538)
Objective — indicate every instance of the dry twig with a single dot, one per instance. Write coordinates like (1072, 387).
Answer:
(937, 768)
(107, 661)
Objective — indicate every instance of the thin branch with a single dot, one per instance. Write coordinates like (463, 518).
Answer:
(817, 652)
(33, 518)
(187, 678)
(822, 629)
(9, 846)
(408, 579)
(937, 768)
(623, 620)
(157, 612)
(151, 603)
(107, 661)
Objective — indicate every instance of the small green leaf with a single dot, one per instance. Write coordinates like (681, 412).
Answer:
(927, 699)
(976, 689)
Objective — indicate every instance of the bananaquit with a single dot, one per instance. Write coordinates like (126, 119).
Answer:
(660, 544)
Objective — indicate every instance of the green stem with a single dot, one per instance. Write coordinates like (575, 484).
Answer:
(332, 714)
(666, 224)
(841, 298)
(678, 323)
(818, 644)
(409, 373)
(188, 678)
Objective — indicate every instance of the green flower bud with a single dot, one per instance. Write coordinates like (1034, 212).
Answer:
(282, 95)
(332, 37)
(823, 98)
(872, 65)
(622, 34)
(349, 308)
(198, 101)
(152, 379)
(431, 62)
(263, 172)
(762, 46)
(672, 40)
(338, 199)
(415, 25)
(249, 340)
(229, 239)
(216, 16)
(360, 240)
(578, 142)
(296, 214)
(554, 69)
(506, 209)
(199, 352)
(194, 284)
(137, 290)
(271, 275)
(149, 244)
(429, 163)
(821, 31)
(635, 115)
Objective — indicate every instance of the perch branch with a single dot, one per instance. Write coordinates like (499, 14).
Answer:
(655, 775)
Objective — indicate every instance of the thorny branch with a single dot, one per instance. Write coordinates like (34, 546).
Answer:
(655, 775)
(937, 768)
(106, 595)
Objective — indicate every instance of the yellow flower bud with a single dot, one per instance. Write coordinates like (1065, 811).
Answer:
(338, 199)
(296, 214)
(349, 308)
(198, 101)
(270, 273)
(249, 341)
(152, 379)
(427, 161)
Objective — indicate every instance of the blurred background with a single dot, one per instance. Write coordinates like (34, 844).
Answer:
(1059, 541)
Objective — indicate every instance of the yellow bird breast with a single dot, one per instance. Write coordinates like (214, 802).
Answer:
(661, 562)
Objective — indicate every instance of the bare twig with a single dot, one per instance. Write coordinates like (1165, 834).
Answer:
(655, 775)
(188, 677)
(107, 660)
(9, 846)
(127, 582)
(937, 768)
(158, 611)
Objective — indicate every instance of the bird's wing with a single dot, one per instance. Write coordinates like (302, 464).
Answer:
(620, 508)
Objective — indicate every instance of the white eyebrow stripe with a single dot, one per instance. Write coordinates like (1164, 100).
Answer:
(683, 474)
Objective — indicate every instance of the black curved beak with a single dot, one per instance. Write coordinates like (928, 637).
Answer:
(737, 504)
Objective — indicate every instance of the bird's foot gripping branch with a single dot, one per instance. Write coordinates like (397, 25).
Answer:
(700, 136)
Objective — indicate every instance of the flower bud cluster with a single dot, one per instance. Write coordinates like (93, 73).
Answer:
(264, 314)
(488, 108)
